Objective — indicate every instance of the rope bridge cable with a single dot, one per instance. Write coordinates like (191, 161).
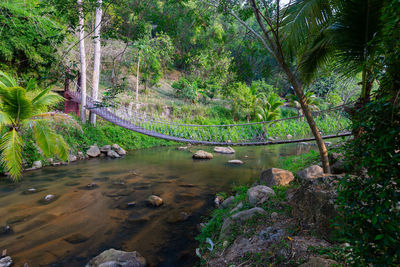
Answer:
(332, 123)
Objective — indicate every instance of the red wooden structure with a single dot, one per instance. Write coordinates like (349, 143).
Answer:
(70, 106)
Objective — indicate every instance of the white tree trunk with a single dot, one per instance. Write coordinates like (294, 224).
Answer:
(137, 78)
(83, 60)
(96, 57)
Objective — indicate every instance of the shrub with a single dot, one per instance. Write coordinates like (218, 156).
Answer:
(370, 205)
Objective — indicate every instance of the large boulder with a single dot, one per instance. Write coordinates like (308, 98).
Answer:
(276, 176)
(313, 204)
(105, 148)
(238, 219)
(93, 151)
(37, 164)
(6, 261)
(118, 258)
(121, 151)
(224, 150)
(201, 154)
(259, 194)
(113, 154)
(312, 172)
(319, 262)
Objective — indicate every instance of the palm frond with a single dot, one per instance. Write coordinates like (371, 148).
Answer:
(62, 149)
(45, 138)
(31, 85)
(45, 98)
(4, 119)
(11, 153)
(15, 103)
(6, 80)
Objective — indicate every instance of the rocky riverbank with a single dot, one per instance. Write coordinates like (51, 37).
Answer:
(281, 220)
(111, 151)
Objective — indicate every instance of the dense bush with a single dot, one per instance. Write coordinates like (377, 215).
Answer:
(370, 204)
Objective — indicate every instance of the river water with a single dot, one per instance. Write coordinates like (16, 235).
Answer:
(84, 220)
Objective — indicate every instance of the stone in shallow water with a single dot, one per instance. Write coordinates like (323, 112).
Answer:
(118, 258)
(235, 162)
(154, 201)
(179, 216)
(93, 151)
(224, 150)
(5, 230)
(49, 197)
(76, 239)
(6, 261)
(201, 154)
(113, 154)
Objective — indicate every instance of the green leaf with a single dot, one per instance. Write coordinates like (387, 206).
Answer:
(11, 153)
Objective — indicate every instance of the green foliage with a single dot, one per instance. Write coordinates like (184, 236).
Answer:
(21, 109)
(370, 204)
(270, 108)
(186, 90)
(28, 38)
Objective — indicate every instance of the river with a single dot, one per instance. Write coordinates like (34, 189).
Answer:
(84, 220)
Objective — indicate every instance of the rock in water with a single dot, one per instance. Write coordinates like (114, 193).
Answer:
(259, 194)
(81, 156)
(93, 151)
(118, 258)
(224, 150)
(113, 154)
(37, 164)
(154, 200)
(312, 172)
(6, 261)
(200, 154)
(227, 202)
(72, 158)
(49, 198)
(105, 148)
(76, 239)
(182, 148)
(276, 176)
(121, 152)
(235, 161)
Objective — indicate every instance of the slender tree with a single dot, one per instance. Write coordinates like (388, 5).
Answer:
(269, 16)
(82, 54)
(96, 56)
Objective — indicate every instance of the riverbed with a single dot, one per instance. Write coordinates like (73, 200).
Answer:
(82, 221)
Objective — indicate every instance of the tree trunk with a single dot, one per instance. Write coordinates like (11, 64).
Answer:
(83, 60)
(307, 113)
(137, 78)
(96, 57)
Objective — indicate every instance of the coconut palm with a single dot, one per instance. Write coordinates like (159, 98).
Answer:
(346, 31)
(23, 109)
(270, 108)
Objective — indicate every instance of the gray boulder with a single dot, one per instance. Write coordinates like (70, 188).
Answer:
(235, 162)
(115, 147)
(312, 172)
(276, 176)
(105, 148)
(201, 154)
(113, 154)
(224, 150)
(227, 202)
(118, 258)
(93, 151)
(72, 158)
(238, 219)
(121, 151)
(259, 194)
(6, 261)
(338, 167)
(37, 164)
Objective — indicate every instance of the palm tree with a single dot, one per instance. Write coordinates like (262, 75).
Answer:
(22, 109)
(346, 31)
(270, 109)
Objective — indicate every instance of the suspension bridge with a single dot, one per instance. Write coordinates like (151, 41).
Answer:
(332, 123)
